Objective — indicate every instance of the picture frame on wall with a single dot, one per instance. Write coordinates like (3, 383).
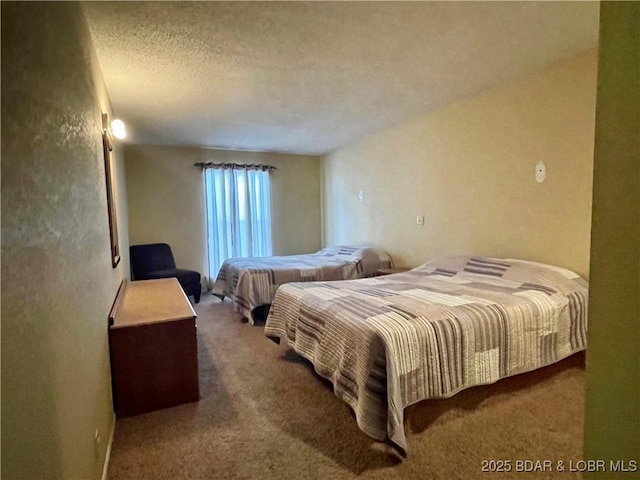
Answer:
(107, 142)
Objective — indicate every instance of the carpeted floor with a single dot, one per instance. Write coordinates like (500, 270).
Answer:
(264, 414)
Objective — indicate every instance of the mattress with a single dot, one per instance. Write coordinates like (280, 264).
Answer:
(252, 282)
(453, 323)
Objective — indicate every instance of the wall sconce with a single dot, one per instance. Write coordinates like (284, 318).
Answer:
(118, 128)
(115, 128)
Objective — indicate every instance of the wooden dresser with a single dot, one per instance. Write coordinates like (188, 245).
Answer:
(154, 350)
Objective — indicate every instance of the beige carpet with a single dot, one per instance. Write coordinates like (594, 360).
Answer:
(264, 414)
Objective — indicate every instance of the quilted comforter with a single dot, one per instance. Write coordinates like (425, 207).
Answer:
(455, 322)
(252, 282)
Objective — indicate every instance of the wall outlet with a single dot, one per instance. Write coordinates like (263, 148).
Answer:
(420, 220)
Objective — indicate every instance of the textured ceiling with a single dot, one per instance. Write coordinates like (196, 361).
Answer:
(308, 77)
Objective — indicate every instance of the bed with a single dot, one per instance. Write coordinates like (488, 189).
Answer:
(251, 283)
(455, 322)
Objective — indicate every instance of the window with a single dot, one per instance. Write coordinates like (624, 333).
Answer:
(238, 211)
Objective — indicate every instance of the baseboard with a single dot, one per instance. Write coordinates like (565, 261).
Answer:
(107, 457)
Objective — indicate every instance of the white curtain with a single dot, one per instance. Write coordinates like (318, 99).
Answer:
(238, 210)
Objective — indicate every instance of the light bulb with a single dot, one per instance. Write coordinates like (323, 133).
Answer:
(118, 129)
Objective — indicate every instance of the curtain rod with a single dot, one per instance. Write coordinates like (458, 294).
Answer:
(247, 166)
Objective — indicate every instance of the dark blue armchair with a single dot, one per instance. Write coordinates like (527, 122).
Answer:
(155, 260)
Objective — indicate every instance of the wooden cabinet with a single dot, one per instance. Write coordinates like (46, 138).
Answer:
(154, 351)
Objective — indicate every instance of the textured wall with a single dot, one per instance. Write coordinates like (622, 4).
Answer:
(57, 279)
(166, 199)
(612, 413)
(469, 169)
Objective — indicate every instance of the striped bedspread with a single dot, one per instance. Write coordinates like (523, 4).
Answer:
(252, 282)
(455, 322)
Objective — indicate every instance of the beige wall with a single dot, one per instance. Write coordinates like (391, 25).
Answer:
(469, 169)
(612, 416)
(57, 281)
(166, 199)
